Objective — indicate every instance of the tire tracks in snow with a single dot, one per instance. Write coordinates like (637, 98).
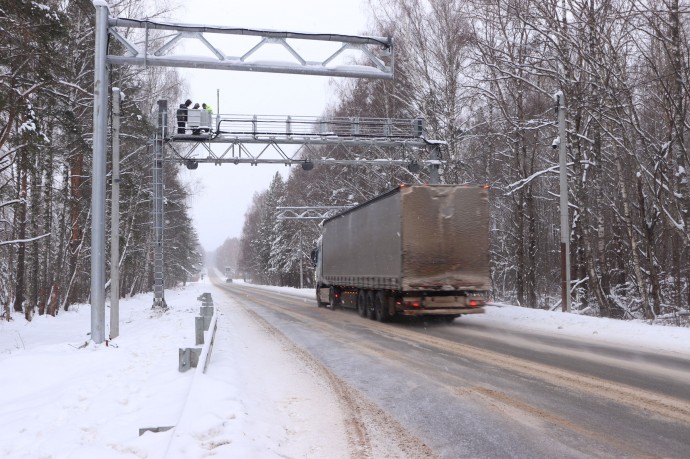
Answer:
(370, 431)
(663, 407)
(508, 404)
(648, 401)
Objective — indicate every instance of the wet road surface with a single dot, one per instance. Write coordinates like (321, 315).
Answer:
(464, 390)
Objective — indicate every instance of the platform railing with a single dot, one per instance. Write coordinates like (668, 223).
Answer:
(277, 128)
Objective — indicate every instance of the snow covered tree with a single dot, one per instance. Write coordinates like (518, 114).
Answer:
(46, 116)
(483, 73)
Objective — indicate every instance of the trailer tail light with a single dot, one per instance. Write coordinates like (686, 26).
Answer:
(473, 303)
(413, 303)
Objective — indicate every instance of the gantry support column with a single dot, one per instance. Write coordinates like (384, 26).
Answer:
(158, 222)
(100, 126)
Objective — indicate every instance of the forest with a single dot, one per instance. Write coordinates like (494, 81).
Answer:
(482, 73)
(46, 123)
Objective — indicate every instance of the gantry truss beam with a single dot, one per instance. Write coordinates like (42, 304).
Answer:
(309, 212)
(367, 140)
(374, 54)
(272, 153)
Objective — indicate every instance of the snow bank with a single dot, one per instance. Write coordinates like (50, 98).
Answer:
(65, 399)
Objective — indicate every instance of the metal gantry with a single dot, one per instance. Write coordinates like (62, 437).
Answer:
(309, 212)
(156, 50)
(369, 140)
(377, 52)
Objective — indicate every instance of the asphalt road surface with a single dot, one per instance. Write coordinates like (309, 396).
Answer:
(460, 390)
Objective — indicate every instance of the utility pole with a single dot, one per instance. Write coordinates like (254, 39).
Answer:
(115, 222)
(301, 255)
(565, 226)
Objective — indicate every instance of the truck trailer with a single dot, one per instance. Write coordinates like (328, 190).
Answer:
(415, 250)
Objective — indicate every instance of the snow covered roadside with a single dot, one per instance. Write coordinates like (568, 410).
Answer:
(63, 401)
(634, 334)
(257, 399)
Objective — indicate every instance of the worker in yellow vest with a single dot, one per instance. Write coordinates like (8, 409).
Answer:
(207, 107)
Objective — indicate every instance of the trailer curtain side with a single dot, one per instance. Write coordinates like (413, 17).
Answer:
(413, 238)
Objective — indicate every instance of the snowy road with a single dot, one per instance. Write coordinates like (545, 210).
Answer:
(466, 390)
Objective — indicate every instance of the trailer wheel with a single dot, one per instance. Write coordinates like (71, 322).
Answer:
(335, 297)
(319, 303)
(361, 303)
(370, 305)
(381, 307)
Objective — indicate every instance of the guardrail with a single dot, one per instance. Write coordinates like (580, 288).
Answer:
(189, 357)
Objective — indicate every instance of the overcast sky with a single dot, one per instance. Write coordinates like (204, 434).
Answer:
(224, 193)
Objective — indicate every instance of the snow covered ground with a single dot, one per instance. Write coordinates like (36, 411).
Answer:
(61, 399)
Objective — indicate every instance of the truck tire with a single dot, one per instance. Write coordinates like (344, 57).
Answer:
(370, 304)
(361, 303)
(319, 303)
(335, 301)
(381, 307)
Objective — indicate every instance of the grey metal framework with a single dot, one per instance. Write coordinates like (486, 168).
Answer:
(372, 138)
(309, 212)
(154, 51)
(157, 206)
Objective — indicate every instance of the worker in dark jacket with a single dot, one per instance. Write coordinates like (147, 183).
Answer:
(182, 116)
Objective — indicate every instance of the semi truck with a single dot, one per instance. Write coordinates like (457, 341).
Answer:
(416, 250)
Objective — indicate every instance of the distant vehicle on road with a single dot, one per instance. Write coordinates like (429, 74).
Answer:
(416, 250)
(228, 280)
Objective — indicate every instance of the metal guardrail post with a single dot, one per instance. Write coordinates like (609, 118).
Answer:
(199, 330)
(189, 357)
